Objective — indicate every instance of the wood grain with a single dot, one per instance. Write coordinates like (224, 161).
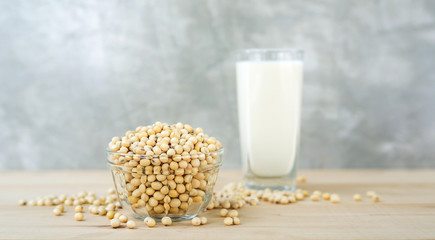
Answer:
(407, 210)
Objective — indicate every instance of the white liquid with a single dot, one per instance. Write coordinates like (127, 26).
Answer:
(269, 101)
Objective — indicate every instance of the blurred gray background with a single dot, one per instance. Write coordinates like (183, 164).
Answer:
(75, 73)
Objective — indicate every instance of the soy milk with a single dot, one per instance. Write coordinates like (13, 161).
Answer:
(269, 101)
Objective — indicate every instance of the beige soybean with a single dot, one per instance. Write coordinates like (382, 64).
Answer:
(223, 212)
(301, 179)
(61, 207)
(78, 216)
(335, 198)
(110, 214)
(196, 221)
(150, 222)
(357, 197)
(376, 198)
(315, 197)
(167, 221)
(131, 224)
(123, 218)
(233, 213)
(78, 208)
(370, 194)
(57, 211)
(228, 221)
(102, 211)
(299, 196)
(115, 223)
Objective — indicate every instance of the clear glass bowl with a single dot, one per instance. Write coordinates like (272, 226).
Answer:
(137, 177)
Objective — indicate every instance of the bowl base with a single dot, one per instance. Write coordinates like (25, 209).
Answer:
(159, 217)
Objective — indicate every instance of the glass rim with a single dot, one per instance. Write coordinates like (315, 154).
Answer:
(269, 54)
(266, 50)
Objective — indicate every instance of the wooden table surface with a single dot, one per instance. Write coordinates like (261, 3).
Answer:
(407, 209)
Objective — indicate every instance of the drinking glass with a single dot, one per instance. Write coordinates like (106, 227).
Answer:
(269, 94)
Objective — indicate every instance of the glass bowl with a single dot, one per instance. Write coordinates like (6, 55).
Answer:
(154, 186)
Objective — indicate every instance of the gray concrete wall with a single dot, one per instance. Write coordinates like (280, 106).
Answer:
(75, 73)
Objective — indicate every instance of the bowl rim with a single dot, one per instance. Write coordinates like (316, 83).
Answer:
(218, 163)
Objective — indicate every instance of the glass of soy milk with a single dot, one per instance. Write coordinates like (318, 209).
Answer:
(269, 94)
